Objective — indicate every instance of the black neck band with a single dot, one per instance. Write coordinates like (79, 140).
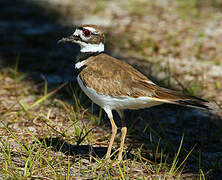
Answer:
(82, 56)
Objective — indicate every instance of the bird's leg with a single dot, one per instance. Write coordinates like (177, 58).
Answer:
(123, 134)
(114, 131)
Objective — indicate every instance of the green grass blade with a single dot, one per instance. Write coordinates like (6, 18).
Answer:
(47, 96)
(175, 160)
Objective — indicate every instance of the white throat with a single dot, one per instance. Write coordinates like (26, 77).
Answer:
(91, 47)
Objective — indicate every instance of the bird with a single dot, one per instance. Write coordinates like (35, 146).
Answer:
(115, 85)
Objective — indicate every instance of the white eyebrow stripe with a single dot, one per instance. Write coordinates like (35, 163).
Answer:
(94, 31)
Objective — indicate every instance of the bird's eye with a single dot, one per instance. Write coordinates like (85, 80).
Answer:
(87, 33)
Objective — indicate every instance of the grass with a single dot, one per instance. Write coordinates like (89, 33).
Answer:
(41, 136)
(56, 132)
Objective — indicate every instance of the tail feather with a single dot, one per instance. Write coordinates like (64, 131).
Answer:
(175, 97)
(193, 103)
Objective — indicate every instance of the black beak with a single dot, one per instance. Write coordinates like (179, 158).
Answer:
(69, 39)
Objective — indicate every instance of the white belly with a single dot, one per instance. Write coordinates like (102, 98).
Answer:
(117, 103)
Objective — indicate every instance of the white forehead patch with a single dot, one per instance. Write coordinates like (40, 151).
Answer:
(94, 31)
(77, 32)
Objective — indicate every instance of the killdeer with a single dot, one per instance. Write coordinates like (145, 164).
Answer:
(115, 85)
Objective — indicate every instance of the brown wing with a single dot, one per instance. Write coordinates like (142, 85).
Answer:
(112, 77)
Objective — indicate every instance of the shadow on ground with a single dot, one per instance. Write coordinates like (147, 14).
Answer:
(58, 144)
(29, 32)
(84, 150)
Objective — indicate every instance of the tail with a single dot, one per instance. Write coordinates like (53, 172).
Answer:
(194, 102)
(174, 97)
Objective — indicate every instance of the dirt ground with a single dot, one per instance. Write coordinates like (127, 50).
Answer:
(176, 43)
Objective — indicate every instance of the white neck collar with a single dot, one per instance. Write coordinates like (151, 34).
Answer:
(91, 47)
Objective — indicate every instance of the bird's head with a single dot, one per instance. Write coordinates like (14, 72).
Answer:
(90, 38)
